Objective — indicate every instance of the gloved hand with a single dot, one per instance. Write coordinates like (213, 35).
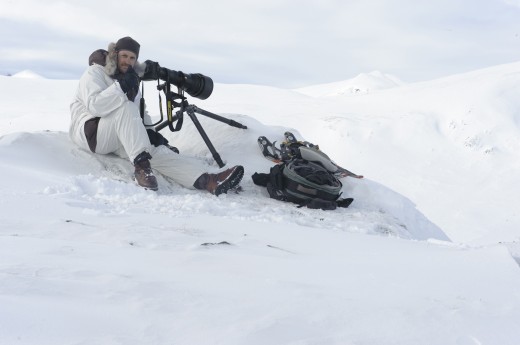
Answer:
(129, 82)
(157, 139)
(152, 70)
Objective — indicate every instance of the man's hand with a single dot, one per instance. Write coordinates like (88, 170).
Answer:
(152, 71)
(129, 82)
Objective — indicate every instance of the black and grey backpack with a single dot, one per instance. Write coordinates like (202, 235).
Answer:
(304, 182)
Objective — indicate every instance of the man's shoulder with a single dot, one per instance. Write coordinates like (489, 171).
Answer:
(96, 74)
(97, 71)
(97, 68)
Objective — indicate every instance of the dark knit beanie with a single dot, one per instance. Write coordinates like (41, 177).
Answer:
(128, 43)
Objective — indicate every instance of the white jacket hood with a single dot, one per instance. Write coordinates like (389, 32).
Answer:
(111, 62)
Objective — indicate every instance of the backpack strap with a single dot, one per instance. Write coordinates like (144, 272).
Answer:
(274, 182)
(276, 185)
(325, 205)
(344, 202)
(260, 179)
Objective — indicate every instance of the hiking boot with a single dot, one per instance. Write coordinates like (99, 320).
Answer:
(143, 171)
(221, 182)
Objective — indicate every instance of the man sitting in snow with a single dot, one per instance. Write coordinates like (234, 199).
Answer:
(105, 118)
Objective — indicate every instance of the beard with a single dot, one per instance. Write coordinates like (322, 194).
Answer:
(124, 68)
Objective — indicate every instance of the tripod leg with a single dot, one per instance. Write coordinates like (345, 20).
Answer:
(205, 137)
(230, 122)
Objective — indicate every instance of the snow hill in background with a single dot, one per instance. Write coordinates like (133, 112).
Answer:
(363, 83)
(425, 254)
(27, 74)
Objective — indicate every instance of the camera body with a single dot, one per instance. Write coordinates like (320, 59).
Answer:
(196, 85)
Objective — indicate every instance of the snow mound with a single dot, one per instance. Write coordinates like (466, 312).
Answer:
(27, 74)
(362, 84)
(104, 185)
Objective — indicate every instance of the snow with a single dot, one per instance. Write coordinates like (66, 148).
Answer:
(27, 74)
(363, 83)
(425, 254)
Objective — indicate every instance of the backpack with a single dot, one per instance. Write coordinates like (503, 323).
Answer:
(304, 182)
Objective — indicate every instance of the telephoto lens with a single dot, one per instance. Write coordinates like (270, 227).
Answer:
(196, 85)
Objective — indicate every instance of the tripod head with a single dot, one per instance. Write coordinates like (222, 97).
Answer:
(196, 85)
(173, 100)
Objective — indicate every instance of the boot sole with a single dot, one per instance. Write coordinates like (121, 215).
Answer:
(232, 181)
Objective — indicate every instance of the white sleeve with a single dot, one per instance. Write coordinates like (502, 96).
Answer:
(100, 98)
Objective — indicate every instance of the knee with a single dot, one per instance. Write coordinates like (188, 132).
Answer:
(162, 152)
(127, 110)
(130, 110)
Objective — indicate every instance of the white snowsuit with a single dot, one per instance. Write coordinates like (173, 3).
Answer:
(120, 129)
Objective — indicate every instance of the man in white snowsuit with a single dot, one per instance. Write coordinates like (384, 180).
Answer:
(105, 118)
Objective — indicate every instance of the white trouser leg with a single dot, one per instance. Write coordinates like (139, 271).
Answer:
(123, 133)
(180, 168)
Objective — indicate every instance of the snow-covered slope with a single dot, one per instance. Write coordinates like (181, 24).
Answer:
(450, 145)
(361, 84)
(90, 258)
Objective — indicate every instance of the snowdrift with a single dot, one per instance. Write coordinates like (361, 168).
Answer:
(49, 159)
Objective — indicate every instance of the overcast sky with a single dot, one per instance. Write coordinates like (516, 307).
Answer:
(283, 43)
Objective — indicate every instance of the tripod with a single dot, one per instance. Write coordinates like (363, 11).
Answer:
(190, 109)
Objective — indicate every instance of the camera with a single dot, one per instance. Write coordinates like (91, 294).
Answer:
(196, 85)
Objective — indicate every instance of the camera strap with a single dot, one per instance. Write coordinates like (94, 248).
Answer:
(141, 102)
(170, 104)
(142, 107)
